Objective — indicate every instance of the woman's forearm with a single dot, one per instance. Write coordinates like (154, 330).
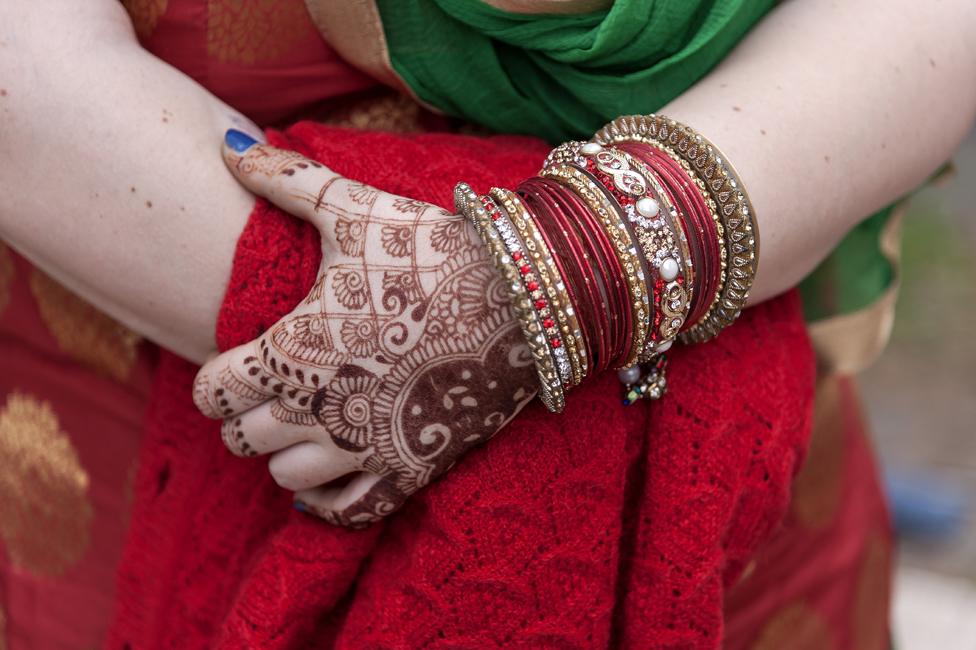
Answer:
(831, 110)
(110, 172)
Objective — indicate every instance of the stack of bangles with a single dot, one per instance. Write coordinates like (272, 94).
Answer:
(619, 246)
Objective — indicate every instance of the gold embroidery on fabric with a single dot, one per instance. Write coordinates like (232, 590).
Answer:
(796, 627)
(818, 488)
(6, 276)
(354, 29)
(83, 332)
(145, 14)
(255, 31)
(45, 516)
(395, 113)
(873, 596)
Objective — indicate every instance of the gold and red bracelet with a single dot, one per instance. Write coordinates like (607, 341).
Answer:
(621, 245)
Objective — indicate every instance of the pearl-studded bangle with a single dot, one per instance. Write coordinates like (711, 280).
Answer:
(660, 237)
(735, 211)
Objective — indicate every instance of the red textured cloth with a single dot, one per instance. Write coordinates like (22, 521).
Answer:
(603, 526)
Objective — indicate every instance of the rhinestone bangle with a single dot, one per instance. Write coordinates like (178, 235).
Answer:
(549, 291)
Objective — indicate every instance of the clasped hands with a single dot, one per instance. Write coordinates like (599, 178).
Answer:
(403, 356)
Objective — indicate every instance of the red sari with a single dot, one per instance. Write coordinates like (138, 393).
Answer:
(253, 573)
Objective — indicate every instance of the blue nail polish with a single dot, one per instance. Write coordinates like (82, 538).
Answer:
(238, 140)
(300, 507)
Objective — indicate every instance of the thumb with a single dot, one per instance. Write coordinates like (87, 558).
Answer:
(294, 183)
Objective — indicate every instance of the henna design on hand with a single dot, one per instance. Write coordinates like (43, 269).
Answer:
(404, 355)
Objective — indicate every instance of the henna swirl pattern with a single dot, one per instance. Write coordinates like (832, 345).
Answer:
(404, 355)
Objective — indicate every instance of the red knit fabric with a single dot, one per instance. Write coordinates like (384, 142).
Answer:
(603, 526)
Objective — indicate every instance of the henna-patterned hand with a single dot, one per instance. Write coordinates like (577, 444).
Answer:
(403, 356)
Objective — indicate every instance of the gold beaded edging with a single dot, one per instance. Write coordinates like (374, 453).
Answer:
(592, 194)
(734, 208)
(550, 387)
(551, 280)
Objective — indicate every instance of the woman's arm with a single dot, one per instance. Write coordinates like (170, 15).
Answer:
(831, 110)
(110, 172)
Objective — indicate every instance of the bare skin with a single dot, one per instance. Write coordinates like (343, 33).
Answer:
(819, 142)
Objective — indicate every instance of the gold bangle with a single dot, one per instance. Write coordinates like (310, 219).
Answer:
(551, 282)
(589, 190)
(734, 209)
(503, 220)
(550, 387)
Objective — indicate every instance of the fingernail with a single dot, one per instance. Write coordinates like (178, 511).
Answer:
(238, 140)
(300, 507)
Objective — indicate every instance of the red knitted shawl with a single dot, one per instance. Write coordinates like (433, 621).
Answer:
(603, 526)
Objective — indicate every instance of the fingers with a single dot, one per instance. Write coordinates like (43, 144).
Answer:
(309, 464)
(366, 498)
(268, 427)
(231, 383)
(294, 183)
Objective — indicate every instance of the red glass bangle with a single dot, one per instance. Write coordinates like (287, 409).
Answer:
(579, 264)
(611, 273)
(617, 198)
(698, 224)
(568, 257)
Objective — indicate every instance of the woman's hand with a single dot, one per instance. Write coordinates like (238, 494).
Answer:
(404, 355)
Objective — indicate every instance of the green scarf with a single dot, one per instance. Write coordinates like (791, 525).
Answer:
(561, 77)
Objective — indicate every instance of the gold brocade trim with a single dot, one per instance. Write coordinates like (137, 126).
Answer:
(45, 516)
(354, 29)
(818, 488)
(144, 15)
(255, 31)
(849, 343)
(6, 276)
(82, 331)
(550, 6)
(797, 627)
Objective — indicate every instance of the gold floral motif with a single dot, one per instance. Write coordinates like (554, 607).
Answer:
(796, 627)
(145, 14)
(83, 332)
(391, 112)
(817, 489)
(256, 31)
(45, 516)
(6, 276)
(873, 596)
